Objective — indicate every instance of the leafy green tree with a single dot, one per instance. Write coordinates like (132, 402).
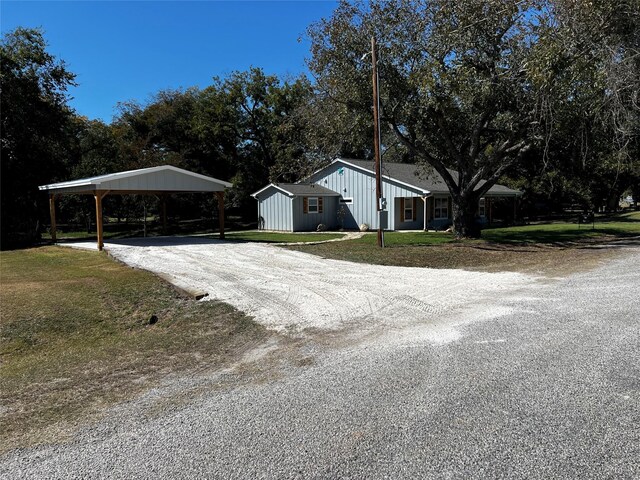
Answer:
(474, 86)
(160, 132)
(454, 85)
(601, 85)
(97, 149)
(248, 122)
(589, 77)
(37, 130)
(95, 153)
(241, 128)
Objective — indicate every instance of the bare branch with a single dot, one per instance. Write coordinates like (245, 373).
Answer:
(433, 161)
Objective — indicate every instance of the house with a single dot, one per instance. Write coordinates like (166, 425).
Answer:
(343, 195)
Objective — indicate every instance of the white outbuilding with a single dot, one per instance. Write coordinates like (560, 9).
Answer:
(161, 181)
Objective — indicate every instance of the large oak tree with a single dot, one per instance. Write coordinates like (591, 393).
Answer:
(466, 85)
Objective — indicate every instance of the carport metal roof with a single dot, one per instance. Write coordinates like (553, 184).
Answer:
(159, 180)
(162, 179)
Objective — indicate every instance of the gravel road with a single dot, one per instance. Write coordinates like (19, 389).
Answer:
(539, 380)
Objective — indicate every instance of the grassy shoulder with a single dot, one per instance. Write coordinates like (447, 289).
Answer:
(75, 336)
(278, 237)
(545, 248)
(626, 224)
(238, 236)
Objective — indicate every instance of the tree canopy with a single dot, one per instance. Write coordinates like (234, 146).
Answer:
(37, 128)
(542, 94)
(473, 86)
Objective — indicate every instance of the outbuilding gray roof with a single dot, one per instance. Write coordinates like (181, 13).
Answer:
(164, 178)
(421, 178)
(300, 189)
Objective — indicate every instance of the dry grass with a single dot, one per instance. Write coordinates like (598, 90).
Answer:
(545, 259)
(547, 249)
(75, 337)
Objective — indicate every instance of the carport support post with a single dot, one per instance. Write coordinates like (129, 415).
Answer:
(220, 196)
(52, 213)
(163, 213)
(99, 195)
(424, 226)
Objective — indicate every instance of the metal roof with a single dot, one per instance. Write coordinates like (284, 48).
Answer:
(420, 178)
(164, 178)
(300, 189)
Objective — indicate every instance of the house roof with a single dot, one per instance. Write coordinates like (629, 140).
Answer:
(416, 176)
(299, 189)
(164, 178)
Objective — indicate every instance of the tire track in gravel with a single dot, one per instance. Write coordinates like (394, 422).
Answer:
(256, 298)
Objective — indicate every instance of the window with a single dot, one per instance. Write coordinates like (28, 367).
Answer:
(312, 204)
(441, 207)
(408, 209)
(482, 210)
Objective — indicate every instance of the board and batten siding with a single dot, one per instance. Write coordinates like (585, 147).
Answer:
(274, 207)
(305, 222)
(361, 186)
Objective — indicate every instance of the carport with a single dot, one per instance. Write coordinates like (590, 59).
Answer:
(161, 181)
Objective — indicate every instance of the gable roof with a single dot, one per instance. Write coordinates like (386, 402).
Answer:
(164, 178)
(299, 189)
(416, 176)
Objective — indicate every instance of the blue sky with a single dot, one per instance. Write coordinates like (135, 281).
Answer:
(130, 50)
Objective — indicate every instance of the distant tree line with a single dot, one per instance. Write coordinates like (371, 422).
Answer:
(540, 95)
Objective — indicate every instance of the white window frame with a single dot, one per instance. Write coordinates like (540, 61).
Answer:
(442, 210)
(315, 208)
(408, 207)
(482, 207)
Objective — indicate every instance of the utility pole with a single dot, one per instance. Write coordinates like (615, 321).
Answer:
(376, 141)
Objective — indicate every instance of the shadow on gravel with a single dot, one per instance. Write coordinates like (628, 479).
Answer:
(166, 241)
(199, 240)
(625, 243)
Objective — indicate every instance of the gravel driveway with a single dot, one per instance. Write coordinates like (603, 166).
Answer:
(292, 291)
(540, 379)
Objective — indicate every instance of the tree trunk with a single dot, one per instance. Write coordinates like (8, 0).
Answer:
(465, 217)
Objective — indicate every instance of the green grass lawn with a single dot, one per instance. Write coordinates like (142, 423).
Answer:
(75, 336)
(240, 236)
(623, 225)
(526, 248)
(401, 248)
(277, 237)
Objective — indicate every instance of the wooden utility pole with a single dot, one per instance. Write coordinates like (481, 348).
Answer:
(376, 141)
(163, 213)
(52, 213)
(99, 195)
